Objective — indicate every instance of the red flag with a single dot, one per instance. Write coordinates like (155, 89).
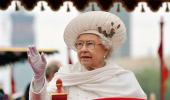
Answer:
(69, 56)
(164, 69)
(13, 86)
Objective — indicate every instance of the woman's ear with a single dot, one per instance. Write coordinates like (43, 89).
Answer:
(107, 53)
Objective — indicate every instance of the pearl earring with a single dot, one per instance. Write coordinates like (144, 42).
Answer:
(104, 56)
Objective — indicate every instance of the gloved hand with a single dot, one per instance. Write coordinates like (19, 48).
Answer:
(37, 62)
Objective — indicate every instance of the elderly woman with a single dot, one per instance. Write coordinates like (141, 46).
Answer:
(94, 36)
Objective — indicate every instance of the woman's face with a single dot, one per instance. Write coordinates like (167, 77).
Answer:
(90, 51)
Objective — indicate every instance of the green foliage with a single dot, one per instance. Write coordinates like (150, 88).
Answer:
(149, 80)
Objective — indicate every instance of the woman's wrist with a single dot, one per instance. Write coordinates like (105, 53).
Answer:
(39, 79)
(38, 83)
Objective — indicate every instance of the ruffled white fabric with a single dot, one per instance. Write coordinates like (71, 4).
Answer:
(108, 81)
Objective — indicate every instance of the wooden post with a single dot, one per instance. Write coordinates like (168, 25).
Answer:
(60, 93)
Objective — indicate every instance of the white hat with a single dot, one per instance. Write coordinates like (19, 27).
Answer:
(104, 24)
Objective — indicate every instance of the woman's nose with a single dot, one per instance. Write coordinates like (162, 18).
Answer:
(84, 48)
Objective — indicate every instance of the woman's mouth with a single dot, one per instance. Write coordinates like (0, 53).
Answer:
(85, 57)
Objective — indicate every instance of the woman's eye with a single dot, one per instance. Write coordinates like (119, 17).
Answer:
(89, 43)
(79, 43)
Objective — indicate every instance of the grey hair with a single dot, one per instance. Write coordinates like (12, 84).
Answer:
(107, 44)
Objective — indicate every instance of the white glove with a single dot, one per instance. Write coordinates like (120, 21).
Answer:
(37, 62)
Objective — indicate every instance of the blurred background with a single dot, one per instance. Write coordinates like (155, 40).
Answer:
(44, 28)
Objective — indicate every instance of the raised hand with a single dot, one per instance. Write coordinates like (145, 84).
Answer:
(37, 62)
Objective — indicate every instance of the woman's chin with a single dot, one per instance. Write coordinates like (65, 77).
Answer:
(88, 66)
(86, 63)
